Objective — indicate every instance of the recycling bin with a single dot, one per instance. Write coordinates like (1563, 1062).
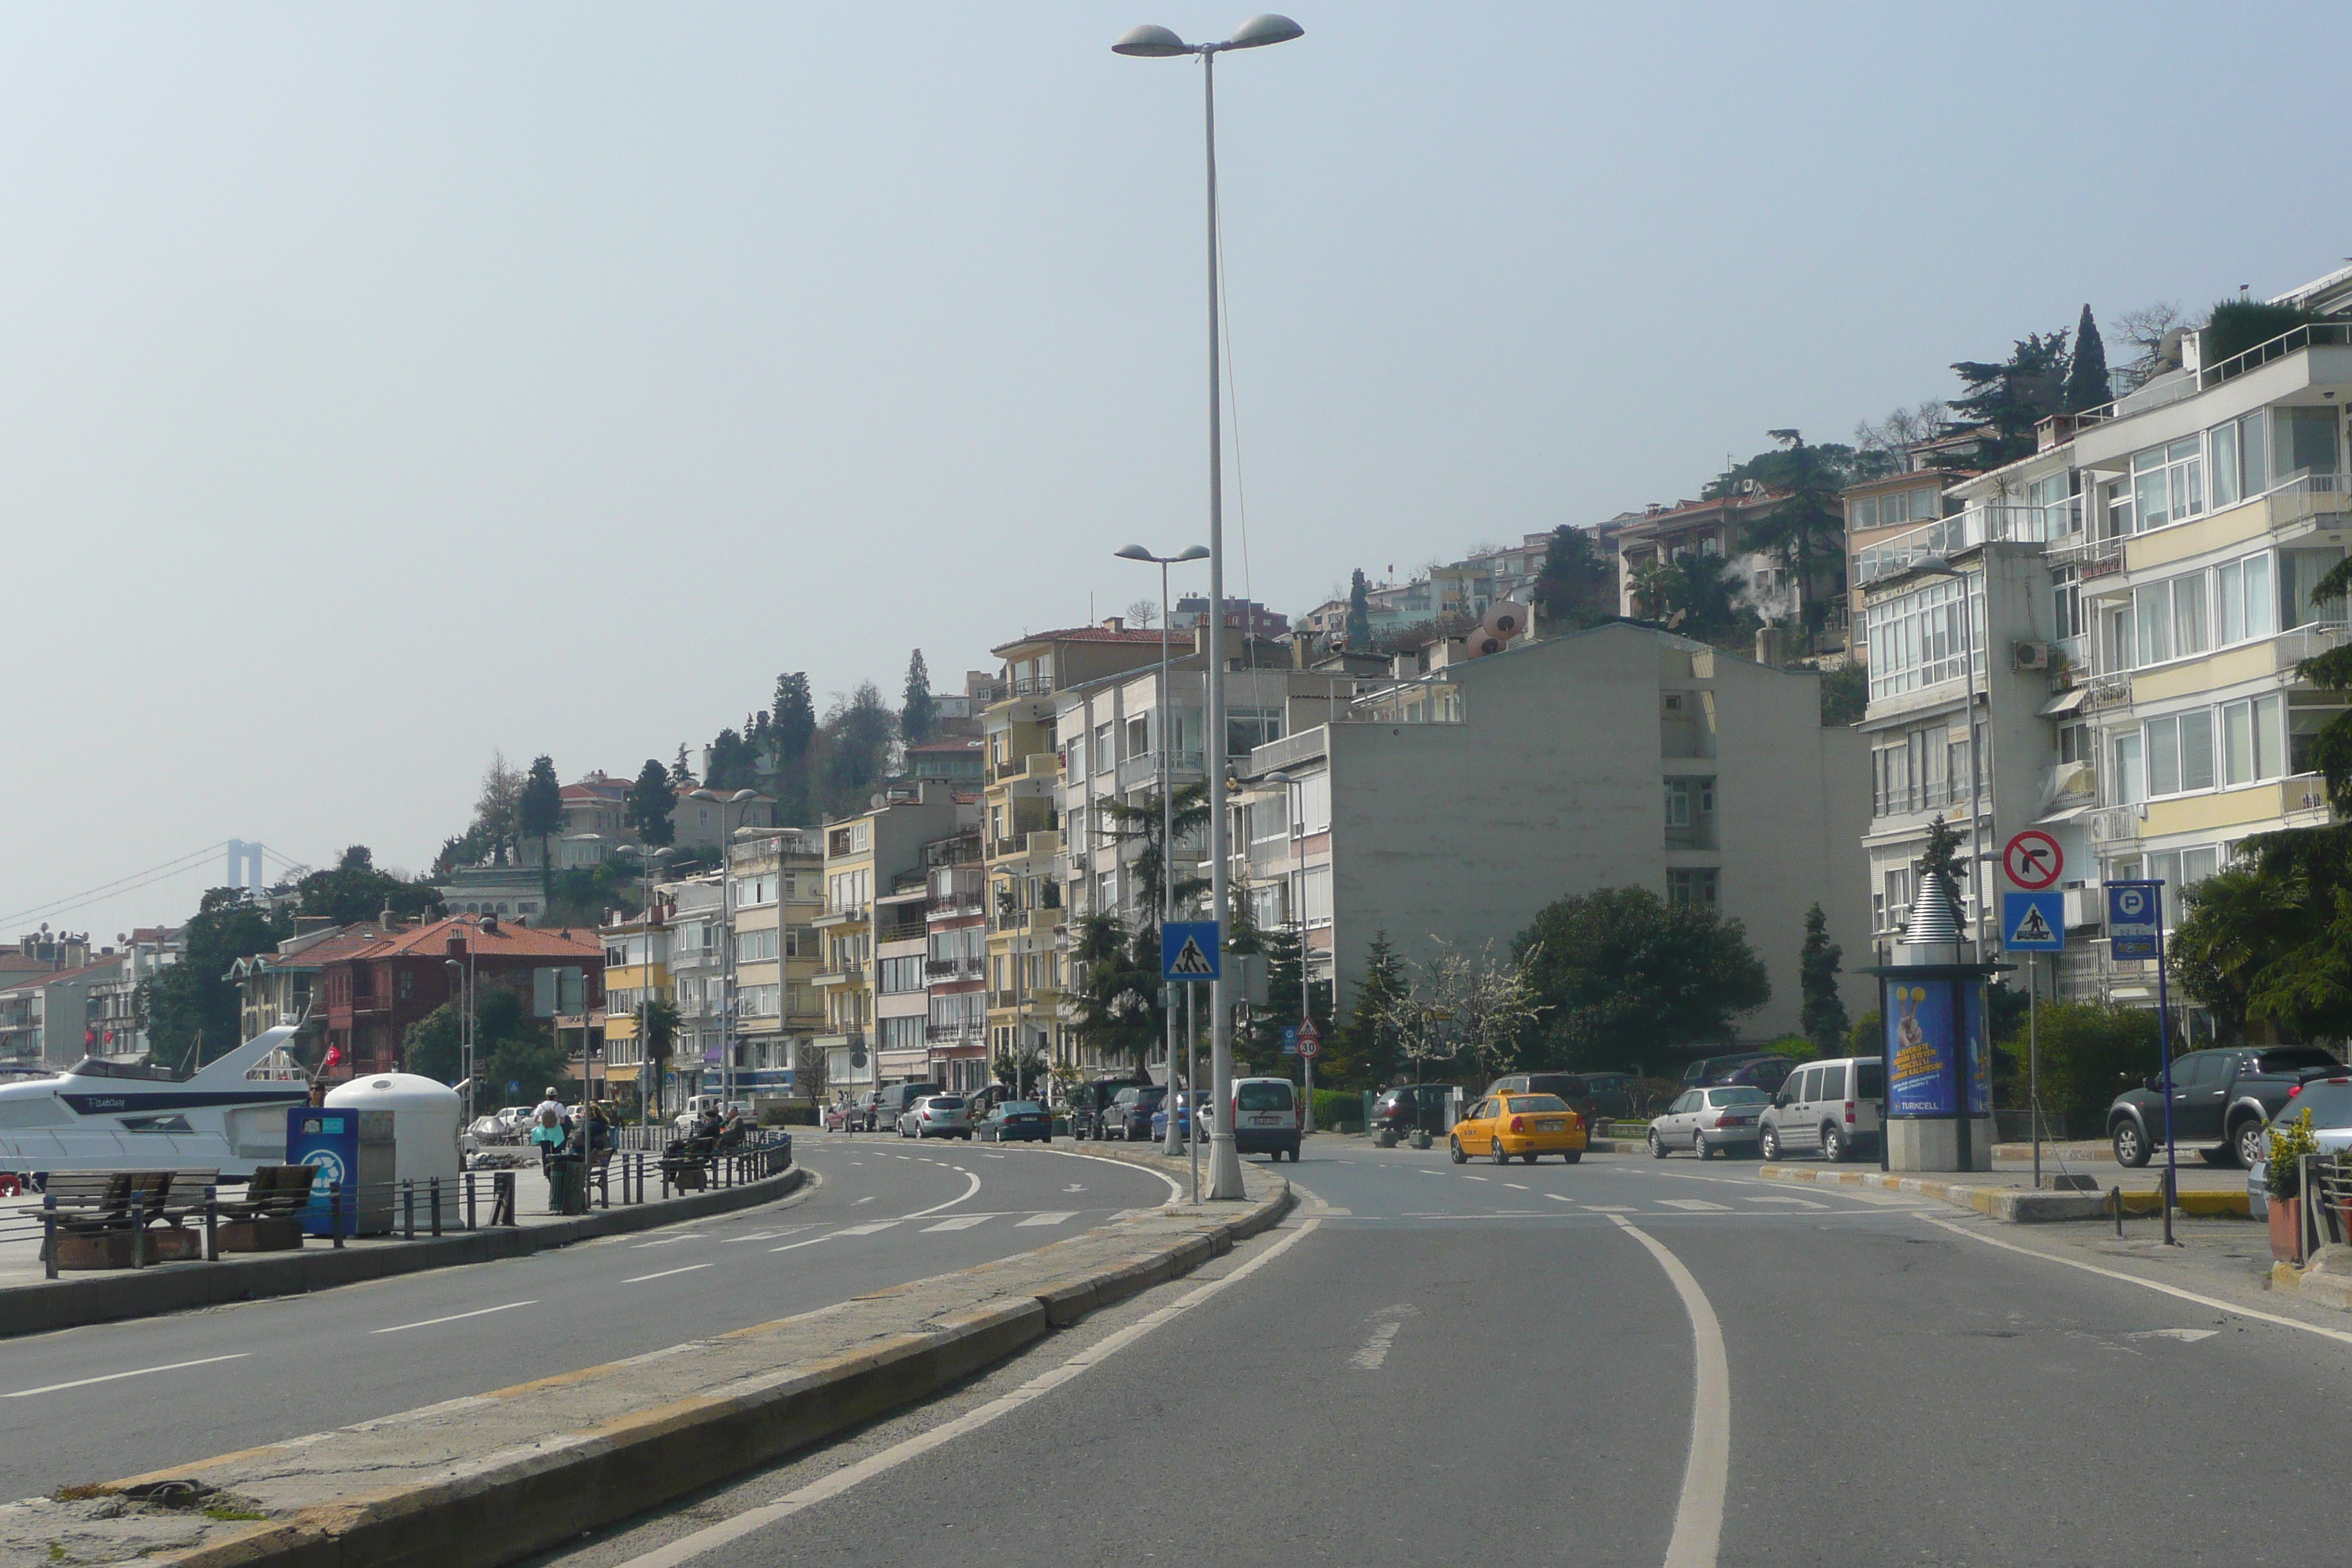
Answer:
(354, 1150)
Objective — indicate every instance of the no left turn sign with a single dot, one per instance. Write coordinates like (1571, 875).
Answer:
(2032, 859)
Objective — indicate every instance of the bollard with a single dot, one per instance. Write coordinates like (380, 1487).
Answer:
(408, 1209)
(2115, 1202)
(212, 1222)
(435, 1196)
(664, 1182)
(139, 1230)
(470, 1200)
(49, 1232)
(335, 1212)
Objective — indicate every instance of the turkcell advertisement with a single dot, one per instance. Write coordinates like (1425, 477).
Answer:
(1936, 1038)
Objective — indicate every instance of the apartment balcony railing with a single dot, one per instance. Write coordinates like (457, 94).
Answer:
(2083, 550)
(952, 1035)
(842, 974)
(1034, 764)
(1011, 919)
(2176, 389)
(952, 968)
(1143, 771)
(842, 914)
(1031, 685)
(2115, 824)
(1961, 531)
(2309, 496)
(999, 999)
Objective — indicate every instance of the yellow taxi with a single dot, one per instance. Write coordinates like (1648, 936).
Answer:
(1527, 1125)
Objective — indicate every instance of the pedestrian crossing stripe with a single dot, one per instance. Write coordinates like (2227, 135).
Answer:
(1190, 960)
(2033, 928)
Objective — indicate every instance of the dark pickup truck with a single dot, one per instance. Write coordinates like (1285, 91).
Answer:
(2221, 1101)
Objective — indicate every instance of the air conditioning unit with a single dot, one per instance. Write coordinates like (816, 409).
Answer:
(2023, 655)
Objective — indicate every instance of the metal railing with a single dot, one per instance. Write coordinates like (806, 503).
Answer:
(2161, 394)
(1963, 529)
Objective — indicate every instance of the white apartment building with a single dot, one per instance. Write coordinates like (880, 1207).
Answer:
(1458, 805)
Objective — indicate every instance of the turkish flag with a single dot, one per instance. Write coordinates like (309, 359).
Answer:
(334, 1055)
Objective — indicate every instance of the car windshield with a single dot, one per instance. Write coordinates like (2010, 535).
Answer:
(1537, 1102)
(1739, 1094)
(2293, 1058)
(1265, 1097)
(2330, 1103)
(1019, 1108)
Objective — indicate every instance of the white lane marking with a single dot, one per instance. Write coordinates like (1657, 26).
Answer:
(1596, 1208)
(1699, 1518)
(794, 1246)
(667, 1241)
(454, 1317)
(1558, 1199)
(957, 1222)
(1376, 1349)
(665, 1273)
(869, 1228)
(864, 1200)
(2175, 1291)
(1515, 1186)
(1176, 1193)
(687, 1548)
(1416, 1170)
(114, 1377)
(1695, 1205)
(969, 1175)
(1776, 1198)
(1468, 1177)
(764, 1235)
(2186, 1336)
(1054, 1216)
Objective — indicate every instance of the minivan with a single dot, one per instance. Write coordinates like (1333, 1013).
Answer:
(1265, 1116)
(1833, 1108)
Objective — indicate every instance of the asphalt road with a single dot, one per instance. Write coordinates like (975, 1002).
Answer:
(1465, 1364)
(879, 1212)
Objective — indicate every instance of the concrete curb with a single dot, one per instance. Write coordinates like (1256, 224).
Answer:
(2323, 1281)
(479, 1511)
(2007, 1205)
(177, 1286)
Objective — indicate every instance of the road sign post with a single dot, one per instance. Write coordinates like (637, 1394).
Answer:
(2136, 930)
(2033, 923)
(1310, 1043)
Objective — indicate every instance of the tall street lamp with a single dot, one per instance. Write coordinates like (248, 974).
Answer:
(1150, 42)
(1175, 1144)
(649, 1070)
(1979, 766)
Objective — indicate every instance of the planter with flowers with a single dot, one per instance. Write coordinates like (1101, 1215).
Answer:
(2283, 1178)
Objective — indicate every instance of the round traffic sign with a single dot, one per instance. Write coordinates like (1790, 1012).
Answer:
(1310, 1038)
(2033, 860)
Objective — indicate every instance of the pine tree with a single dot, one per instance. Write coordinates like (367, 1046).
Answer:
(538, 813)
(679, 773)
(1360, 612)
(1823, 1018)
(647, 810)
(1368, 1043)
(919, 713)
(2011, 398)
(1576, 588)
(2088, 384)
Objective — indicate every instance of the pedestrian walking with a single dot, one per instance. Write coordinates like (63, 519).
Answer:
(547, 1127)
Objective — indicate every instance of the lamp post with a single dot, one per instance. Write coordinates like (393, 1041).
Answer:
(1150, 42)
(648, 1083)
(1980, 767)
(461, 986)
(1174, 1144)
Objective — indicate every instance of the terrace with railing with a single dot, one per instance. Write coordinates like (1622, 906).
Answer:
(1961, 531)
(2187, 384)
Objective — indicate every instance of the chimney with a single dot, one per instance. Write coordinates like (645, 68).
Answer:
(490, 924)
(1114, 623)
(1769, 651)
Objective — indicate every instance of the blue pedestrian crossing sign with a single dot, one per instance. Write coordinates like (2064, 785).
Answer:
(1188, 951)
(2033, 922)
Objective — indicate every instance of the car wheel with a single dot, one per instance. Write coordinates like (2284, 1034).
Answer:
(1833, 1143)
(1453, 1149)
(2248, 1142)
(1700, 1147)
(1768, 1143)
(1657, 1145)
(2131, 1144)
(1497, 1150)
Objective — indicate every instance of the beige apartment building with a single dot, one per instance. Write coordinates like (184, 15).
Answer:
(869, 856)
(776, 881)
(1457, 805)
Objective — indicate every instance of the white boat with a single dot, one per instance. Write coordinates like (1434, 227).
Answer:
(229, 1115)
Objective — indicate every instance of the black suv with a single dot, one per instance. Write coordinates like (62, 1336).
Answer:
(2221, 1100)
(1408, 1106)
(1127, 1117)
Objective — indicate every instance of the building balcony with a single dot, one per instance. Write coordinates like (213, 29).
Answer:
(1042, 765)
(954, 1035)
(951, 969)
(1963, 530)
(2169, 390)
(1144, 773)
(846, 974)
(847, 915)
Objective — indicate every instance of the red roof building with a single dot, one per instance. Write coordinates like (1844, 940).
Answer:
(369, 993)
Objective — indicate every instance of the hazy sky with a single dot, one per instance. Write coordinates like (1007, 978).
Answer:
(380, 386)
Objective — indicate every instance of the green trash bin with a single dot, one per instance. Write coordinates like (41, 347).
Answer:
(567, 1193)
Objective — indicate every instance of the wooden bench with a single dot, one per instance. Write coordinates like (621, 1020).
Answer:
(269, 1218)
(101, 1219)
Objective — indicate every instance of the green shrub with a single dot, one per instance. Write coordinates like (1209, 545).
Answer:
(1338, 1109)
(2091, 1052)
(1868, 1036)
(2290, 1141)
(1796, 1047)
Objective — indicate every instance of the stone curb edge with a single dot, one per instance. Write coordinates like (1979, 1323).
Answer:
(622, 1468)
(2007, 1205)
(174, 1287)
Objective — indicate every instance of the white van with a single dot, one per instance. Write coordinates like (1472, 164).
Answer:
(1265, 1116)
(1833, 1108)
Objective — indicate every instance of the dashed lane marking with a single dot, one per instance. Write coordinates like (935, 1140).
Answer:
(1054, 1216)
(961, 1222)
(665, 1273)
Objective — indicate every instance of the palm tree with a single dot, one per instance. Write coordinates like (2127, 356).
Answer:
(658, 1021)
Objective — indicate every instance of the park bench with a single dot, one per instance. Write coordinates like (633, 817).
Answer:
(104, 1219)
(269, 1218)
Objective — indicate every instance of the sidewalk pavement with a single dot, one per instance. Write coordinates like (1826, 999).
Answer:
(478, 1481)
(2007, 1194)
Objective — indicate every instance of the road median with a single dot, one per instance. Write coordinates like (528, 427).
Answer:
(2011, 1206)
(485, 1480)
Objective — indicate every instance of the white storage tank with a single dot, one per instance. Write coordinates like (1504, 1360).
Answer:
(425, 1124)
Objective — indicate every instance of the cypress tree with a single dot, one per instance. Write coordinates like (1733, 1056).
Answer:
(2087, 386)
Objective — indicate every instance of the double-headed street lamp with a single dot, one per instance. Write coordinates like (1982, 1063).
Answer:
(1150, 42)
(1174, 1144)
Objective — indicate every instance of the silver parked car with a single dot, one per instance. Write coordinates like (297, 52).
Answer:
(936, 1116)
(1705, 1120)
(1833, 1107)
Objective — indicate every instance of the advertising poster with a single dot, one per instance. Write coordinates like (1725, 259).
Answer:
(1980, 1052)
(1920, 1039)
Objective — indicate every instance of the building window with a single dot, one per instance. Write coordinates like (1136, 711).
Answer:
(2130, 780)
(1693, 885)
(1915, 638)
(1689, 801)
(2253, 745)
(897, 976)
(2167, 484)
(1248, 728)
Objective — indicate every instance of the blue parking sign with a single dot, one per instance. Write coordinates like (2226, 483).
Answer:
(2136, 919)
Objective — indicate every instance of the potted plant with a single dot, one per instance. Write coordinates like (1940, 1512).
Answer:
(2283, 1179)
